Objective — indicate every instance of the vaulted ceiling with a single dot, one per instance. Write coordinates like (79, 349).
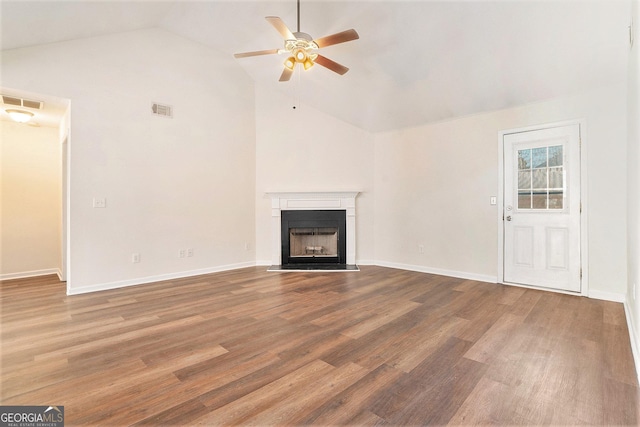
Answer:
(416, 61)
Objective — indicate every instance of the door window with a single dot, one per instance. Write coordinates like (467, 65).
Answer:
(541, 178)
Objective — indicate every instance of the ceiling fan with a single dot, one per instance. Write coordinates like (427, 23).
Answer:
(301, 48)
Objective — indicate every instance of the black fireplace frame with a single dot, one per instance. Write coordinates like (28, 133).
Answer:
(308, 219)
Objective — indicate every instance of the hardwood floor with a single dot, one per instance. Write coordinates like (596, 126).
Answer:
(375, 347)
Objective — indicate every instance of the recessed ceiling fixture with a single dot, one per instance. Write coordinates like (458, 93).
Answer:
(20, 116)
(301, 48)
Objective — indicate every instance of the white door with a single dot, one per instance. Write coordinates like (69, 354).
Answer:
(542, 208)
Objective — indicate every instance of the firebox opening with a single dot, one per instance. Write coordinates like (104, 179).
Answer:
(314, 242)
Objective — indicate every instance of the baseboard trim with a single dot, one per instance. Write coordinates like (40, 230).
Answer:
(157, 278)
(595, 294)
(34, 273)
(607, 296)
(439, 271)
(635, 351)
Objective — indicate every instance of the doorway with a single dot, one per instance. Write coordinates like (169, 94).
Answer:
(541, 220)
(37, 197)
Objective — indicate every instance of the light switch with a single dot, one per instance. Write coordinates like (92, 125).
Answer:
(493, 200)
(99, 202)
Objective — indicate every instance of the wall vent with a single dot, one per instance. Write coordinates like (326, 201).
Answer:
(162, 110)
(20, 102)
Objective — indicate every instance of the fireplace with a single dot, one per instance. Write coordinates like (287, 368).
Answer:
(316, 246)
(313, 237)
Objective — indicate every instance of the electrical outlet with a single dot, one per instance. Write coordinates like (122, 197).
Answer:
(182, 253)
(135, 258)
(190, 252)
(99, 202)
(421, 249)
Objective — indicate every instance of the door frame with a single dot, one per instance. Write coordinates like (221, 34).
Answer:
(584, 252)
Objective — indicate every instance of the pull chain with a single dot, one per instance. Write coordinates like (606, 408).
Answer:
(296, 90)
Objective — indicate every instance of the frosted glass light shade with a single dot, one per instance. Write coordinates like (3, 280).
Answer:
(20, 116)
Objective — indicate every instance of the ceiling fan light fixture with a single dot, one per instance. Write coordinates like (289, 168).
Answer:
(290, 62)
(19, 116)
(308, 63)
(301, 47)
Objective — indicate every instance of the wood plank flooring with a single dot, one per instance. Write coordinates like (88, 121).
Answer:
(375, 347)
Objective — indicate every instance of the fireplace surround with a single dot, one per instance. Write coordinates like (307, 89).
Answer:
(313, 241)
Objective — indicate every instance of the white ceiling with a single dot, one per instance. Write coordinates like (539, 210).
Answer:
(415, 62)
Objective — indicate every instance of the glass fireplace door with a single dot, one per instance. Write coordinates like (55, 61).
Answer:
(313, 237)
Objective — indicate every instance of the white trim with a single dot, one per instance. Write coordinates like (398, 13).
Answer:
(635, 351)
(607, 296)
(584, 238)
(158, 278)
(64, 148)
(439, 271)
(34, 273)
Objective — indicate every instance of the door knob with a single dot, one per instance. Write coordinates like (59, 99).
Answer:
(508, 218)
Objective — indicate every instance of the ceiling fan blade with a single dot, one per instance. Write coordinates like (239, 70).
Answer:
(344, 36)
(282, 28)
(256, 53)
(332, 65)
(286, 74)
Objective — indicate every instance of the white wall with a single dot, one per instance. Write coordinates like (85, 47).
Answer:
(433, 185)
(31, 200)
(633, 190)
(186, 182)
(198, 180)
(306, 150)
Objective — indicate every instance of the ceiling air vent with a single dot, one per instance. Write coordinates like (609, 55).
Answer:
(20, 102)
(162, 110)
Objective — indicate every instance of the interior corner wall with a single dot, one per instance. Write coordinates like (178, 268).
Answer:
(304, 149)
(186, 182)
(31, 200)
(633, 190)
(433, 187)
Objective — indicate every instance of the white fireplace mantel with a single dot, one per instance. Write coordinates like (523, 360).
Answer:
(330, 200)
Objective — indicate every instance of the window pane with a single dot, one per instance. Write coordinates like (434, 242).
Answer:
(524, 180)
(555, 200)
(555, 177)
(540, 200)
(555, 156)
(524, 200)
(540, 178)
(524, 159)
(539, 156)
